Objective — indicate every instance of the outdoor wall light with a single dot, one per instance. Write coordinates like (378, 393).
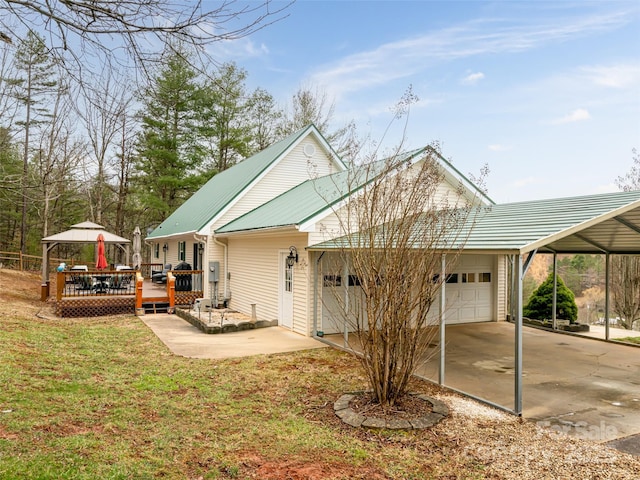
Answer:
(292, 257)
(165, 247)
(201, 248)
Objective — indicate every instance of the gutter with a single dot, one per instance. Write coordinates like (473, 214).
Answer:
(226, 295)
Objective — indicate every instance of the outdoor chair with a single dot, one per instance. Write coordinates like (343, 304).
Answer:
(82, 282)
(121, 281)
(161, 277)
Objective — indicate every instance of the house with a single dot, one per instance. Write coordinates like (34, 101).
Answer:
(266, 228)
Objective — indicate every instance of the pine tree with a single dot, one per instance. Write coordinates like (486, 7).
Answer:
(540, 304)
(34, 61)
(225, 118)
(169, 154)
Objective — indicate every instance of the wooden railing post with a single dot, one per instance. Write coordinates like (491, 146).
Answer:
(171, 291)
(139, 283)
(60, 283)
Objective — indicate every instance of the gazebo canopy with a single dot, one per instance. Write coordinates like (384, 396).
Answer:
(85, 232)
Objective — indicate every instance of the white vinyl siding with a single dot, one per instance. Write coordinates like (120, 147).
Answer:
(501, 286)
(255, 277)
(292, 170)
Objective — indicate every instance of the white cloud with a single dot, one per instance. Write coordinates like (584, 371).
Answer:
(578, 115)
(472, 78)
(615, 76)
(608, 188)
(410, 56)
(523, 182)
(496, 147)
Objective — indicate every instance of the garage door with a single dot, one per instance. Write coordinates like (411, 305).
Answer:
(469, 290)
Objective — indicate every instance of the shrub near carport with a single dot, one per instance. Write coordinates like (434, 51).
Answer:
(540, 304)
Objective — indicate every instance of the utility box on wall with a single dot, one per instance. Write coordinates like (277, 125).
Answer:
(214, 272)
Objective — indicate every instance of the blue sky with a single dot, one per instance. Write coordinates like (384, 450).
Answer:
(547, 94)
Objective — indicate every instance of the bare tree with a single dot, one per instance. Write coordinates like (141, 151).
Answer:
(35, 82)
(83, 31)
(631, 180)
(56, 159)
(625, 269)
(402, 225)
(625, 289)
(125, 163)
(102, 110)
(312, 105)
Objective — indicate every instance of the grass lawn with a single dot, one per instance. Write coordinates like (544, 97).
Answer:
(88, 399)
(629, 340)
(103, 398)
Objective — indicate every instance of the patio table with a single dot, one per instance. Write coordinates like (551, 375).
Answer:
(101, 283)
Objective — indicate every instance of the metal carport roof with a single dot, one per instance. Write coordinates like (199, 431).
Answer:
(596, 224)
(604, 223)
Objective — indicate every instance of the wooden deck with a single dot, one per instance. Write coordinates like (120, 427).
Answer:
(152, 290)
(147, 297)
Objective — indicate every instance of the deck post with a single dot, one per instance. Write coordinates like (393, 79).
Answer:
(60, 282)
(171, 291)
(139, 283)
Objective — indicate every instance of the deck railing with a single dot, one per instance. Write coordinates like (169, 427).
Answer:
(113, 287)
(95, 283)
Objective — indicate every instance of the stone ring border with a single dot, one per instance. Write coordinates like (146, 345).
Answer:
(354, 419)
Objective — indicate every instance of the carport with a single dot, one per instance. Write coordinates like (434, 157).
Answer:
(605, 224)
(580, 386)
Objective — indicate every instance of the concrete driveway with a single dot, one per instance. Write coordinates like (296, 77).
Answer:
(580, 386)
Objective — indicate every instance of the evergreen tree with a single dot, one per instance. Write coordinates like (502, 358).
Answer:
(540, 303)
(10, 191)
(225, 118)
(36, 80)
(169, 154)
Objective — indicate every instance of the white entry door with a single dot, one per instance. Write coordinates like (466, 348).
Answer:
(286, 292)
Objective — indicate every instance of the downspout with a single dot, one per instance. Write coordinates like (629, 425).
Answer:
(315, 295)
(226, 267)
(205, 252)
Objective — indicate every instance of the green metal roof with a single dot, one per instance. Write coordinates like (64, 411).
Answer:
(594, 223)
(587, 224)
(222, 189)
(308, 199)
(301, 203)
(294, 206)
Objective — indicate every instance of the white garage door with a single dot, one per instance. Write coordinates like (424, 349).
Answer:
(469, 290)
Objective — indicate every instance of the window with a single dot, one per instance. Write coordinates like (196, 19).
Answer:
(468, 278)
(156, 250)
(452, 278)
(182, 251)
(332, 281)
(484, 277)
(288, 278)
(354, 281)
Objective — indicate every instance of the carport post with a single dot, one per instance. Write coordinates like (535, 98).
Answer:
(607, 273)
(554, 302)
(442, 319)
(518, 340)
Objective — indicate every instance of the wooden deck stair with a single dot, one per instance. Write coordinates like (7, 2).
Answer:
(155, 304)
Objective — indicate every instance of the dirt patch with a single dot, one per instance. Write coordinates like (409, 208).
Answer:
(307, 469)
(22, 288)
(406, 408)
